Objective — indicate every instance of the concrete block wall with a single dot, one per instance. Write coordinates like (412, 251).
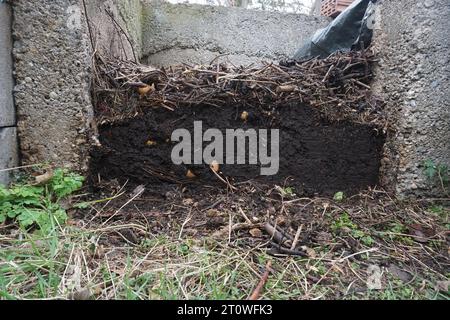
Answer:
(52, 72)
(196, 34)
(411, 39)
(8, 139)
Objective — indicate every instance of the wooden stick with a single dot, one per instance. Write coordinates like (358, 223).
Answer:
(286, 251)
(257, 292)
(245, 216)
(276, 235)
(297, 236)
(22, 167)
(224, 181)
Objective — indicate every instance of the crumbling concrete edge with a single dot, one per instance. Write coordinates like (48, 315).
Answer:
(8, 132)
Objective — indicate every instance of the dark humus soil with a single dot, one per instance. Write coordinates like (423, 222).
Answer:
(316, 157)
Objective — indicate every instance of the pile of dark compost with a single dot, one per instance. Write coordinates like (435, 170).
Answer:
(315, 156)
(331, 126)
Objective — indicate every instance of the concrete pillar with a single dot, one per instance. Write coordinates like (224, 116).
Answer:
(52, 61)
(8, 141)
(411, 39)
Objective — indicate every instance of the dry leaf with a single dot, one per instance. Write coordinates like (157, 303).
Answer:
(44, 178)
(190, 174)
(214, 166)
(309, 251)
(219, 234)
(399, 273)
(216, 213)
(99, 252)
(256, 233)
(442, 286)
(281, 221)
(324, 237)
(421, 234)
(83, 294)
(188, 202)
(287, 88)
(137, 191)
(151, 143)
(146, 89)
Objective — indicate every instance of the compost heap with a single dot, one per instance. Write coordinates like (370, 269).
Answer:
(332, 127)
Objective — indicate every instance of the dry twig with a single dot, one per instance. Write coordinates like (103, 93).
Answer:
(257, 292)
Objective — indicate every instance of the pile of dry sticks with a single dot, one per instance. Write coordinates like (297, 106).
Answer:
(338, 86)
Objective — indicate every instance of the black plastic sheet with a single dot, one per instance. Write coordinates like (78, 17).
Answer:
(352, 29)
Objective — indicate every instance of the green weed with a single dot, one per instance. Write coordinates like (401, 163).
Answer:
(437, 172)
(344, 223)
(39, 206)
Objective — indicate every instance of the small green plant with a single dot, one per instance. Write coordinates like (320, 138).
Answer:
(437, 172)
(398, 232)
(345, 223)
(339, 197)
(287, 192)
(442, 213)
(397, 227)
(39, 206)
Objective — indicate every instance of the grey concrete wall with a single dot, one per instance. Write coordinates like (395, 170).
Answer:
(412, 41)
(52, 71)
(8, 140)
(7, 113)
(8, 154)
(173, 34)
